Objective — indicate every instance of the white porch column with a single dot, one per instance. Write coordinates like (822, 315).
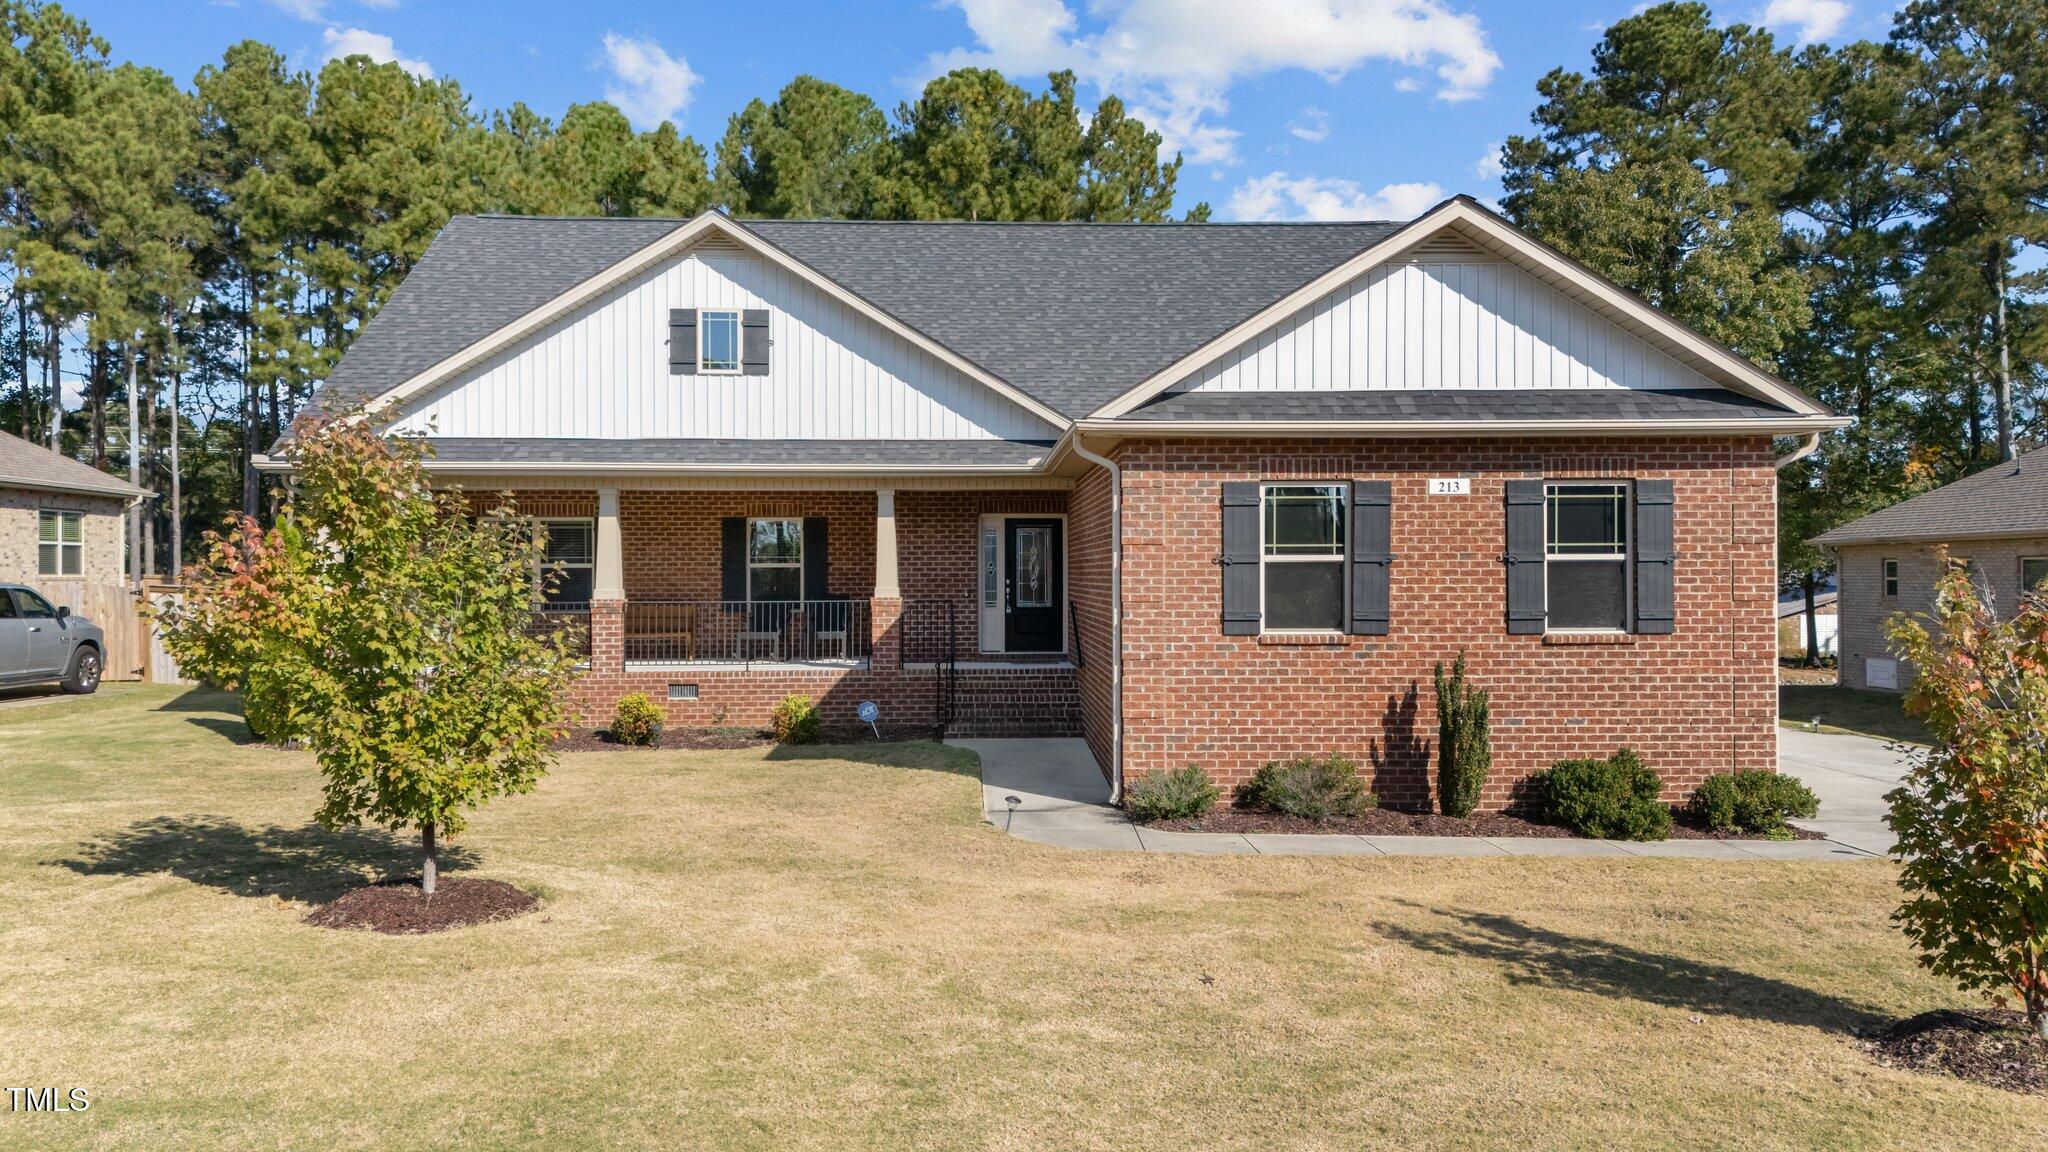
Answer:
(608, 570)
(886, 587)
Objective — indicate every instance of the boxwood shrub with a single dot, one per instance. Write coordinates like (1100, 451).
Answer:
(636, 721)
(796, 720)
(1756, 801)
(1612, 799)
(1313, 788)
(1180, 794)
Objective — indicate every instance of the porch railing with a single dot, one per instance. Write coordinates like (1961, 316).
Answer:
(551, 618)
(747, 632)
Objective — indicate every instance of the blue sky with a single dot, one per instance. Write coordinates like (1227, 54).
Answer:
(1286, 109)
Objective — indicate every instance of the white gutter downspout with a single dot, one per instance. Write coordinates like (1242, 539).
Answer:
(1116, 616)
(1808, 445)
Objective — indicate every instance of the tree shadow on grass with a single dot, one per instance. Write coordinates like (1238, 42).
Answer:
(222, 713)
(919, 754)
(1546, 957)
(309, 864)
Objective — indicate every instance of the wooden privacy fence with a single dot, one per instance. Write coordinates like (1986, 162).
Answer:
(158, 667)
(117, 610)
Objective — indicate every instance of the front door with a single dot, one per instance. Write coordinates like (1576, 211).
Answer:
(1034, 582)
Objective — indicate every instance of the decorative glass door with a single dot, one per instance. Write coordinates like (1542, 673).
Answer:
(1035, 586)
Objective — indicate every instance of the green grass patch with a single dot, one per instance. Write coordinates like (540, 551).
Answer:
(1850, 711)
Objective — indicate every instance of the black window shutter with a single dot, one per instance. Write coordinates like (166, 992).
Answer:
(732, 567)
(754, 342)
(682, 342)
(817, 568)
(1372, 538)
(1656, 557)
(1527, 614)
(1240, 558)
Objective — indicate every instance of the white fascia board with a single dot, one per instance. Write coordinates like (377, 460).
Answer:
(1789, 426)
(669, 245)
(1744, 376)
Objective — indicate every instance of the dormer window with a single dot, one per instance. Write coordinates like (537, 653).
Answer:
(718, 340)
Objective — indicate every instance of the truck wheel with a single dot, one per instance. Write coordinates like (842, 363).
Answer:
(84, 677)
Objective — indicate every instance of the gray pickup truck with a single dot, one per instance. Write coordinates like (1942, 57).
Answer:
(40, 644)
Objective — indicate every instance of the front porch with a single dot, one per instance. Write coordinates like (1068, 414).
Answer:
(947, 608)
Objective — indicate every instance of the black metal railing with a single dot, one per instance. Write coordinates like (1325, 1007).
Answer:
(929, 633)
(572, 617)
(747, 632)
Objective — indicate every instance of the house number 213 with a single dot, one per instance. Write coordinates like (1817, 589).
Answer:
(1450, 486)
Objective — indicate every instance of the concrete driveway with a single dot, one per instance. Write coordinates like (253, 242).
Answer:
(1850, 774)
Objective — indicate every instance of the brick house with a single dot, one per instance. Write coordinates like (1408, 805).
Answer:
(62, 523)
(1201, 493)
(1994, 522)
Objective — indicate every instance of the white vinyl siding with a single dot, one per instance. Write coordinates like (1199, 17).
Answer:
(603, 372)
(1462, 323)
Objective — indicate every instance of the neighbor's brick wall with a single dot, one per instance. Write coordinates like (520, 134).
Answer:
(1865, 608)
(101, 560)
(1700, 701)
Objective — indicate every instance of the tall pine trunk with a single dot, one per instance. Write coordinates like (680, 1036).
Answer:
(2002, 402)
(250, 413)
(53, 381)
(96, 389)
(28, 391)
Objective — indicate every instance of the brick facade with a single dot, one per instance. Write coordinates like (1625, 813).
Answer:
(1700, 701)
(101, 559)
(1864, 608)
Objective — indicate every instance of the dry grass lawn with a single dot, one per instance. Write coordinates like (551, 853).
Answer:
(826, 949)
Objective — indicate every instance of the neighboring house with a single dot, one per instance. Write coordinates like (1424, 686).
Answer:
(1211, 494)
(1792, 617)
(1995, 521)
(62, 523)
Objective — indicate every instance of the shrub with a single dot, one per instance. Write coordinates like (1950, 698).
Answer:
(1175, 795)
(1755, 800)
(1973, 847)
(1308, 787)
(1464, 722)
(1611, 799)
(796, 720)
(637, 721)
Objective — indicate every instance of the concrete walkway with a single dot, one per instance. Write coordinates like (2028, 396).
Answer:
(1051, 792)
(1850, 774)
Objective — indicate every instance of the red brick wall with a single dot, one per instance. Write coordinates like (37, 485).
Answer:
(671, 547)
(1700, 701)
(1088, 589)
(938, 550)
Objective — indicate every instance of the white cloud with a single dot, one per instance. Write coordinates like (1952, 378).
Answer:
(1313, 125)
(379, 4)
(1176, 60)
(311, 10)
(1489, 166)
(1282, 196)
(357, 42)
(650, 85)
(1814, 19)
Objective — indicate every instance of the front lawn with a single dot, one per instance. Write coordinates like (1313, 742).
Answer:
(826, 949)
(1849, 710)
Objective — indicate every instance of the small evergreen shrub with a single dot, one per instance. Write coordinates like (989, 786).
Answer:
(1611, 799)
(636, 721)
(1177, 795)
(1309, 787)
(1755, 800)
(1464, 724)
(796, 720)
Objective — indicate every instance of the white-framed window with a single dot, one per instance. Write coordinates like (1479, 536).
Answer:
(718, 341)
(569, 568)
(1585, 555)
(775, 558)
(2033, 570)
(1891, 578)
(60, 543)
(1301, 557)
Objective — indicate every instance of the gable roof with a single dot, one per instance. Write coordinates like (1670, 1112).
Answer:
(2004, 500)
(27, 465)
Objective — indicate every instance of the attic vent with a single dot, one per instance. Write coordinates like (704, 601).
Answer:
(1444, 247)
(716, 243)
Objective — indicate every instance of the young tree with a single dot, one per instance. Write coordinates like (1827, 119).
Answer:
(1972, 815)
(388, 626)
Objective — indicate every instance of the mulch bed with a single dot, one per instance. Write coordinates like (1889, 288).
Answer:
(1991, 1047)
(1388, 822)
(397, 908)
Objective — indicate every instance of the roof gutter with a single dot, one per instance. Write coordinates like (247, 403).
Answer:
(1787, 426)
(1116, 615)
(1033, 467)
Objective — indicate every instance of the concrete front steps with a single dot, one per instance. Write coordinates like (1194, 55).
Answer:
(1003, 701)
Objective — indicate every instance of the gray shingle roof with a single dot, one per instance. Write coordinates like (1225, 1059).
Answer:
(26, 465)
(849, 454)
(1071, 314)
(2006, 499)
(1475, 405)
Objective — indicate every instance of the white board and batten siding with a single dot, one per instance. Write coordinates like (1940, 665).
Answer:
(1446, 316)
(833, 373)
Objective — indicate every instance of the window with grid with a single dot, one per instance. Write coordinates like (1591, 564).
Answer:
(775, 559)
(718, 341)
(1301, 566)
(1585, 552)
(1891, 578)
(60, 543)
(570, 566)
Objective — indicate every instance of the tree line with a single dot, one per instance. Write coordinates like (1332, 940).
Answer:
(1867, 221)
(228, 238)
